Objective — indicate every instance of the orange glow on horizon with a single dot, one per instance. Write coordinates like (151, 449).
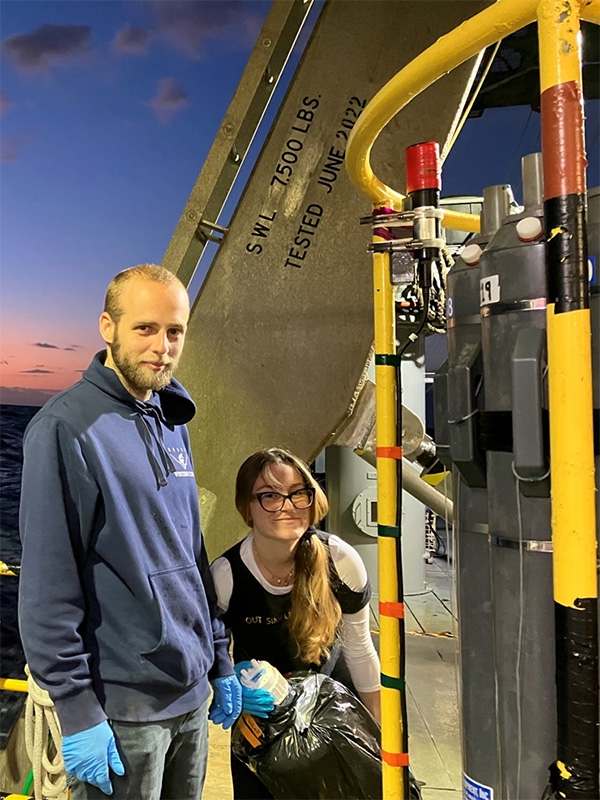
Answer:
(50, 364)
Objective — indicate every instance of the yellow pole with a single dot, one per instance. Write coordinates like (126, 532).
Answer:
(391, 612)
(13, 685)
(575, 771)
(460, 221)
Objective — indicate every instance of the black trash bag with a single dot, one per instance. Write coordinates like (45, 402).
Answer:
(321, 742)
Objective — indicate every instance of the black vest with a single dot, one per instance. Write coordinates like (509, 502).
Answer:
(257, 619)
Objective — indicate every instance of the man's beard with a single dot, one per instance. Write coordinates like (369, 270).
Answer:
(138, 377)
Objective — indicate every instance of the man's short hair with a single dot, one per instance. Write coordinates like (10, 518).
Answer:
(149, 272)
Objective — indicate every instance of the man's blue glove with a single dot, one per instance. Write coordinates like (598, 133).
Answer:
(89, 754)
(257, 702)
(226, 704)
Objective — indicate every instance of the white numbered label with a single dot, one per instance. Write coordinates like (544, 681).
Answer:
(489, 290)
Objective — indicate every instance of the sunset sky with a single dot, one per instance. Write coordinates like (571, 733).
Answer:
(108, 111)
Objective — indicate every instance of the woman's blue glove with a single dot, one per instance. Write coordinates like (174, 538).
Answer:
(257, 702)
(226, 704)
(89, 754)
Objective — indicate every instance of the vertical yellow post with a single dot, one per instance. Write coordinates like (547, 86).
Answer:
(570, 401)
(391, 609)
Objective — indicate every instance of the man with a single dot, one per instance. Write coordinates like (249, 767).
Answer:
(117, 607)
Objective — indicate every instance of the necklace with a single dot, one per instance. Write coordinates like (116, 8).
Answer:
(286, 580)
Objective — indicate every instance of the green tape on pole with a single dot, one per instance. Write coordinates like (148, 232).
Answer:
(387, 360)
(392, 531)
(393, 683)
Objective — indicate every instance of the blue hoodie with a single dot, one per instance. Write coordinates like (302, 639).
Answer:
(117, 608)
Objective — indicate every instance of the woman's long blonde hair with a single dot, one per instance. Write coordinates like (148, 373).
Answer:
(315, 614)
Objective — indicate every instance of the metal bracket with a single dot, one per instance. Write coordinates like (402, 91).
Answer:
(205, 224)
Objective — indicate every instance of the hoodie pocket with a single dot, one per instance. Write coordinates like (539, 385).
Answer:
(185, 651)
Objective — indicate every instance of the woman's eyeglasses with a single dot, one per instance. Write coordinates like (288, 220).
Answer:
(274, 501)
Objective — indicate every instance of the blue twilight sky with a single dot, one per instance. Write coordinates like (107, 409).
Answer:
(108, 110)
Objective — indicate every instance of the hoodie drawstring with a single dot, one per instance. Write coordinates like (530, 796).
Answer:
(153, 439)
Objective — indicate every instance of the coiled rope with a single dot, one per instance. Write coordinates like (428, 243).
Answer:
(49, 778)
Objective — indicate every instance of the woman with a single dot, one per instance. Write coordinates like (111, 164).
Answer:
(292, 595)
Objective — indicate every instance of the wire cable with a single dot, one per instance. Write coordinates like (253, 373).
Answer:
(412, 337)
(519, 637)
(499, 753)
(400, 573)
(450, 143)
(518, 480)
(453, 571)
(517, 158)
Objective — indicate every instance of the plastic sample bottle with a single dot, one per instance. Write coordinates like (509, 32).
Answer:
(262, 675)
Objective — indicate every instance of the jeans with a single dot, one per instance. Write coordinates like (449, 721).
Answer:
(163, 760)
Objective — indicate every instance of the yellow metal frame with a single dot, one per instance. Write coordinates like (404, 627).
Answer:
(390, 641)
(13, 685)
(572, 456)
(490, 26)
(570, 368)
(450, 51)
(570, 397)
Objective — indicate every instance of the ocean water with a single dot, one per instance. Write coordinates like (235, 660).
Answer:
(13, 421)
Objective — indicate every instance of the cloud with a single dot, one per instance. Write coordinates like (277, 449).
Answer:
(131, 40)
(10, 149)
(37, 371)
(46, 346)
(5, 103)
(186, 25)
(170, 98)
(47, 46)
(19, 396)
